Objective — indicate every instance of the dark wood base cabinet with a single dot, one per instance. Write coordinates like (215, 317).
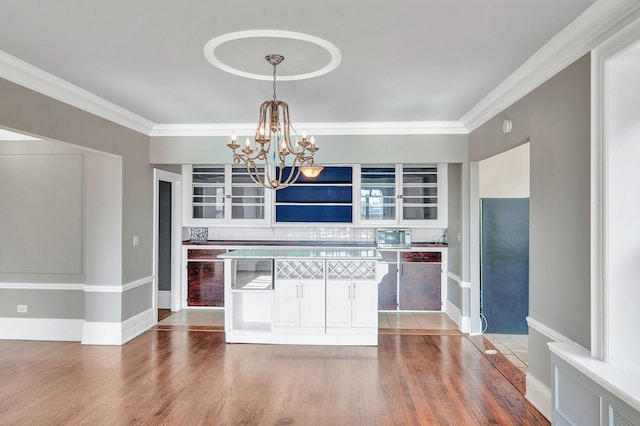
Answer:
(205, 278)
(206, 284)
(413, 283)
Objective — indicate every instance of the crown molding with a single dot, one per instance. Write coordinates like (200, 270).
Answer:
(31, 77)
(601, 20)
(318, 129)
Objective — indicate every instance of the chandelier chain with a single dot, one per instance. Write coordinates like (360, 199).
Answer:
(274, 81)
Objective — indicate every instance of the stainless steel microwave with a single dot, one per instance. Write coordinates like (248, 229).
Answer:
(393, 237)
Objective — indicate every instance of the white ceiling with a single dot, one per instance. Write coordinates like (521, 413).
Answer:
(404, 60)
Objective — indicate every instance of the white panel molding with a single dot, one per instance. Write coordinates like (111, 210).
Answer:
(164, 299)
(538, 395)
(547, 331)
(117, 333)
(34, 78)
(118, 288)
(41, 286)
(318, 129)
(596, 24)
(68, 330)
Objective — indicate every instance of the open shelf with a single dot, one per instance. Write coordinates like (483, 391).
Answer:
(252, 310)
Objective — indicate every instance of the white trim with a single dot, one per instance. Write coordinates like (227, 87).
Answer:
(176, 236)
(619, 379)
(614, 46)
(101, 333)
(547, 331)
(67, 330)
(597, 23)
(137, 283)
(118, 288)
(164, 299)
(138, 324)
(318, 129)
(214, 43)
(456, 278)
(41, 286)
(539, 395)
(455, 314)
(31, 77)
(117, 333)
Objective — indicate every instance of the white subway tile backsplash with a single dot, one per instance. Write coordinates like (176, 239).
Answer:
(311, 233)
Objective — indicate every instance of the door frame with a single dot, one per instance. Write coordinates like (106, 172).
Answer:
(176, 238)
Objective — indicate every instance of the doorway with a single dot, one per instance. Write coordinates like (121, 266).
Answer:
(167, 235)
(503, 195)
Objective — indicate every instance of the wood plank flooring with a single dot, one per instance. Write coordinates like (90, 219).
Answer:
(193, 377)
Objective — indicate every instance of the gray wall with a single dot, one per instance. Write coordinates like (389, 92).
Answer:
(29, 112)
(333, 149)
(454, 228)
(556, 118)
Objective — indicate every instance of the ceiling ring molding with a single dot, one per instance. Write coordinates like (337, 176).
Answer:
(213, 44)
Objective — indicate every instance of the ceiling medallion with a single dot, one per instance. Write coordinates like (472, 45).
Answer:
(268, 167)
(331, 49)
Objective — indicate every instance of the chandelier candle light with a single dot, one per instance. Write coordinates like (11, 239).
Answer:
(274, 127)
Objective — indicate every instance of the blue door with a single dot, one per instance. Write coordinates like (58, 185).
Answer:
(504, 264)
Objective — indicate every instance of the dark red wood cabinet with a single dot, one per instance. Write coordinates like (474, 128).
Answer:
(420, 286)
(205, 278)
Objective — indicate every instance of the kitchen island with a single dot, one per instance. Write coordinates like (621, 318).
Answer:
(299, 296)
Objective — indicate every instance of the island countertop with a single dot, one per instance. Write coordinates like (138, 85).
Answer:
(367, 254)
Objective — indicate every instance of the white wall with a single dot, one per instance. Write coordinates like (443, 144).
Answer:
(506, 175)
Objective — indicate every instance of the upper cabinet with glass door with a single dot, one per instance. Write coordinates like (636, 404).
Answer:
(222, 194)
(403, 195)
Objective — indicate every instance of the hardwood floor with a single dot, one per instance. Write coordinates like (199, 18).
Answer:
(193, 377)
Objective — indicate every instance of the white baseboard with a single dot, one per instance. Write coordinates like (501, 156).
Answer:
(164, 299)
(454, 313)
(137, 324)
(539, 395)
(67, 330)
(116, 333)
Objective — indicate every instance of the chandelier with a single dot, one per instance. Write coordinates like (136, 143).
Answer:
(267, 167)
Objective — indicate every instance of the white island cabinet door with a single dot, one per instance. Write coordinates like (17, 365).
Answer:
(338, 303)
(287, 303)
(364, 304)
(312, 298)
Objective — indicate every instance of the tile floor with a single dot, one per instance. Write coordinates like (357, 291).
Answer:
(416, 321)
(515, 348)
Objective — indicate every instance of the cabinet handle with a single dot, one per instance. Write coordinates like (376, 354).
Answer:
(297, 291)
(354, 290)
(301, 291)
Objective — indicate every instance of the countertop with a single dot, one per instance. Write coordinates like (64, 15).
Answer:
(289, 243)
(371, 254)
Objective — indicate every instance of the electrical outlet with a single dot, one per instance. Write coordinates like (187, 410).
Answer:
(136, 240)
(22, 308)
